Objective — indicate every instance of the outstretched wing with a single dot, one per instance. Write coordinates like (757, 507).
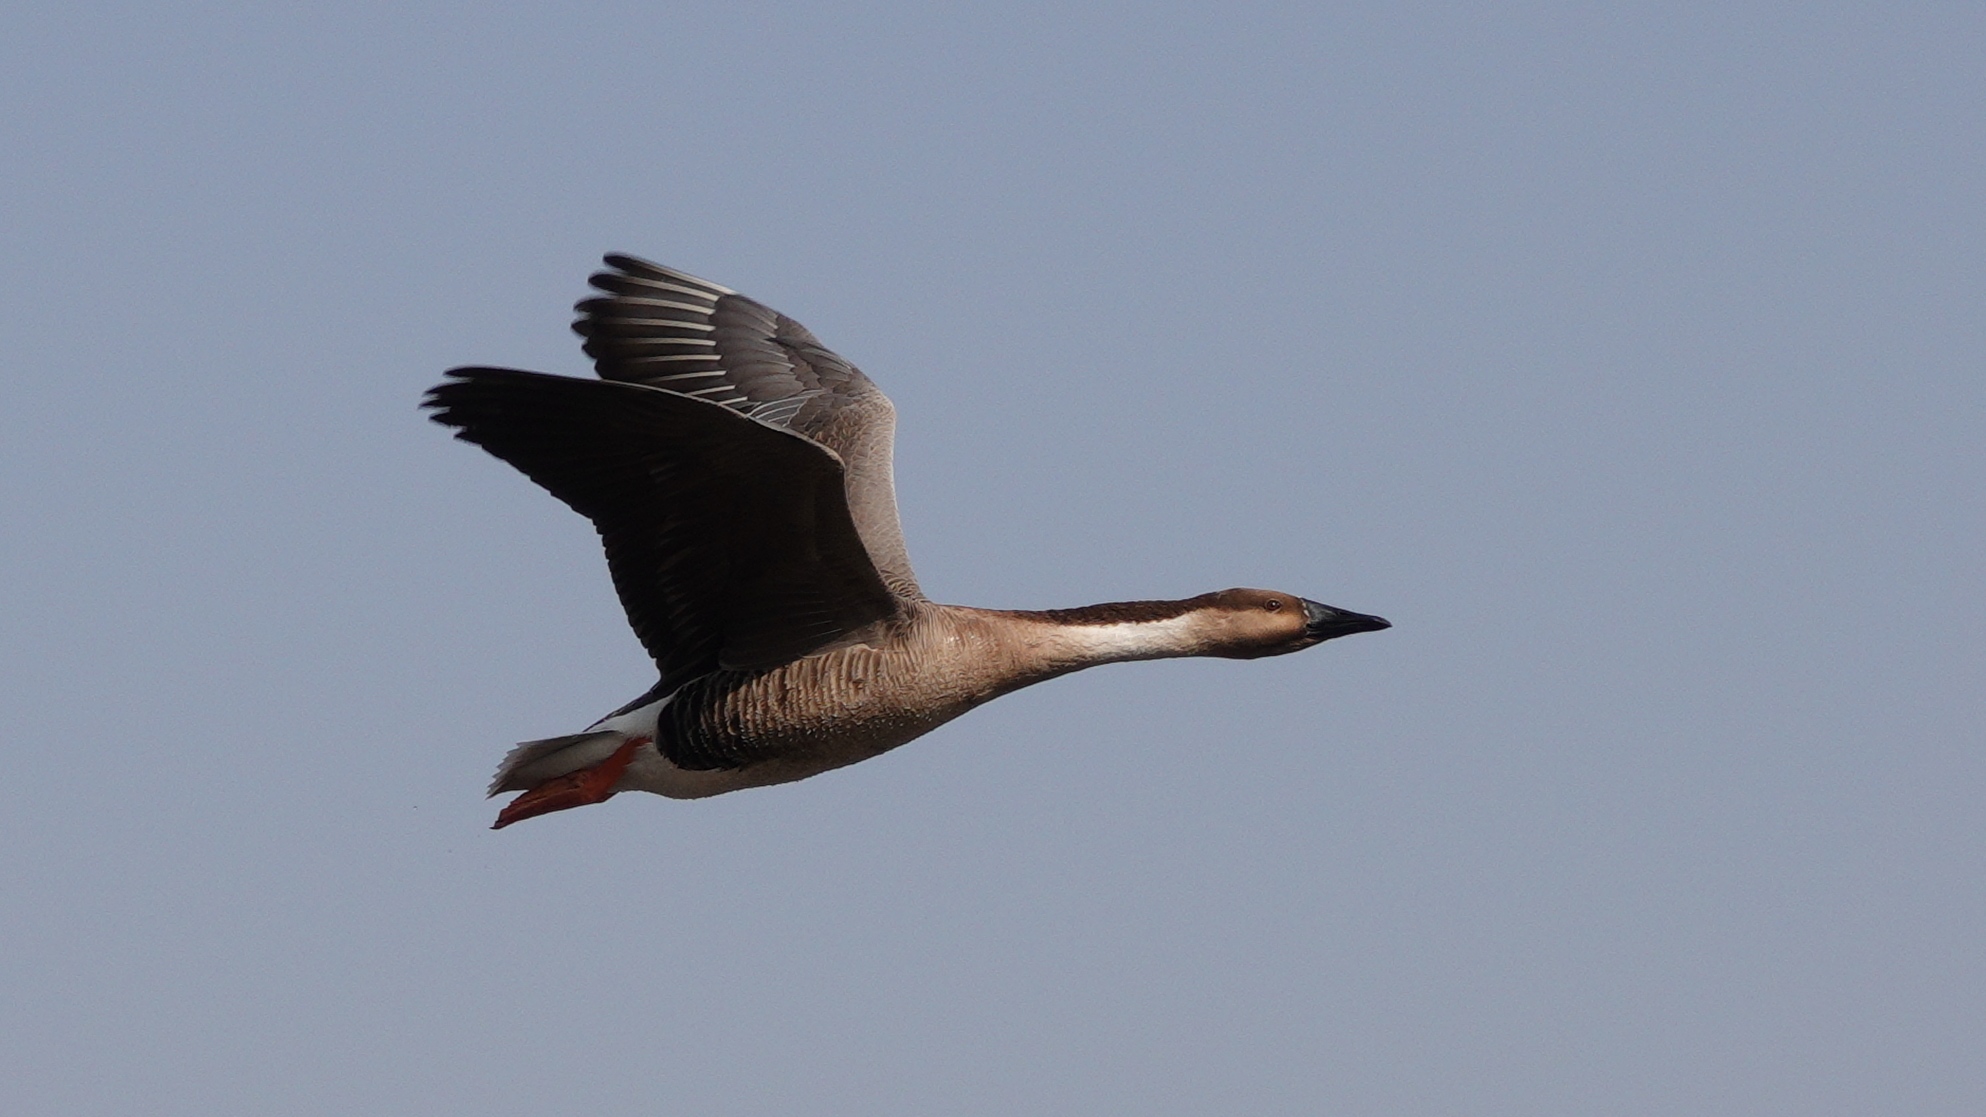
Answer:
(729, 538)
(670, 330)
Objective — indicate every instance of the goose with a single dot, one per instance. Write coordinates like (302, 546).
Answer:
(739, 475)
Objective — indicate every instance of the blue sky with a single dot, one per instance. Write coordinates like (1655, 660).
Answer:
(1627, 357)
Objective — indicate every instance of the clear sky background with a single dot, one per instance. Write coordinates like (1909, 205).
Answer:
(1627, 356)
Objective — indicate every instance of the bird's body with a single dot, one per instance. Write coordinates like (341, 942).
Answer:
(739, 474)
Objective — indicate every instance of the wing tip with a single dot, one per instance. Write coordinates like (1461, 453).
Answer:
(634, 267)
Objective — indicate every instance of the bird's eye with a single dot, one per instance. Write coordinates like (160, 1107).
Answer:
(1274, 605)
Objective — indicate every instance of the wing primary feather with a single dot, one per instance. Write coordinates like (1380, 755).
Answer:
(708, 517)
(638, 303)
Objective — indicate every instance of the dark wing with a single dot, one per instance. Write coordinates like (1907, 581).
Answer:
(729, 539)
(667, 329)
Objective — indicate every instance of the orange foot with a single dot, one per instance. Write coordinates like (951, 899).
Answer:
(575, 789)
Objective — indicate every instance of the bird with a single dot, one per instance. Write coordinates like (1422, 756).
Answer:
(739, 475)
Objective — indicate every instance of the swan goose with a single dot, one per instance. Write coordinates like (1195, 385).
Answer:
(739, 475)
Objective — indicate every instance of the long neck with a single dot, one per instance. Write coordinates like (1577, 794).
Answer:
(1070, 639)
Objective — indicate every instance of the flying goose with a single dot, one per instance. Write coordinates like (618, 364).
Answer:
(739, 475)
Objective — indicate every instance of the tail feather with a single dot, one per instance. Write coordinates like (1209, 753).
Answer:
(534, 762)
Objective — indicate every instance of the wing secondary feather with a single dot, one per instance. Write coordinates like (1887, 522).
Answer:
(668, 329)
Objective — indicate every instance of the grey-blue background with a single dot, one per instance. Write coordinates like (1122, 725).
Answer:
(1627, 356)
